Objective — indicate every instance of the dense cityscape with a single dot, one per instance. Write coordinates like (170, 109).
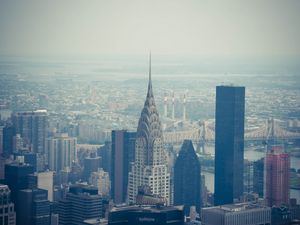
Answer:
(64, 137)
(140, 112)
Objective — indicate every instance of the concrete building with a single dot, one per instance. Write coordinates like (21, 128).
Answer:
(277, 165)
(7, 208)
(100, 179)
(150, 167)
(229, 144)
(236, 214)
(45, 181)
(123, 150)
(61, 151)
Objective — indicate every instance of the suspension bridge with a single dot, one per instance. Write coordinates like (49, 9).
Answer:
(206, 133)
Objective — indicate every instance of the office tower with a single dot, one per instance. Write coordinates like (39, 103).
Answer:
(62, 151)
(91, 164)
(123, 150)
(187, 178)
(150, 167)
(277, 165)
(32, 126)
(8, 134)
(33, 207)
(16, 177)
(237, 214)
(105, 153)
(248, 176)
(258, 177)
(7, 208)
(82, 202)
(100, 179)
(137, 215)
(229, 144)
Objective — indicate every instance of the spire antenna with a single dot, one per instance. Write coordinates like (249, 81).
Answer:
(150, 67)
(150, 93)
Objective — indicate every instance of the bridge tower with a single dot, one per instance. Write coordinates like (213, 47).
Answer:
(173, 107)
(166, 105)
(202, 141)
(270, 138)
(184, 107)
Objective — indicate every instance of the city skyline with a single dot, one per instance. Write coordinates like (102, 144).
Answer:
(149, 112)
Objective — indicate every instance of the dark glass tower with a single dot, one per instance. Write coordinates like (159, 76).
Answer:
(123, 150)
(187, 178)
(229, 144)
(34, 207)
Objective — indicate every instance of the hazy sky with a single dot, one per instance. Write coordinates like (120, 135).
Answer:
(203, 27)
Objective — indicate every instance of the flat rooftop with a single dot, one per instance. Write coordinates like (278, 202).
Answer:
(235, 207)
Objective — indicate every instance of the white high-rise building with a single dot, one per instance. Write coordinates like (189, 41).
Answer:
(100, 179)
(61, 151)
(150, 167)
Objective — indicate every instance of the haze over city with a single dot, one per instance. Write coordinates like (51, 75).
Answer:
(149, 112)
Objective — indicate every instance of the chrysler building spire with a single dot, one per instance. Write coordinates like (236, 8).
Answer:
(150, 165)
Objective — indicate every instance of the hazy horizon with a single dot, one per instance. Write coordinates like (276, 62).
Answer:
(210, 29)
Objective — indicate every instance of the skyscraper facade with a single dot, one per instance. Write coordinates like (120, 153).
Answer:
(32, 126)
(91, 164)
(82, 202)
(277, 165)
(123, 150)
(61, 151)
(150, 166)
(16, 177)
(33, 207)
(258, 177)
(187, 178)
(229, 143)
(7, 208)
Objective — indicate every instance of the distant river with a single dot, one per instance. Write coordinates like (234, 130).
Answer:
(253, 155)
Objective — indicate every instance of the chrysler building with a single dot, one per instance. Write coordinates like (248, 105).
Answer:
(150, 166)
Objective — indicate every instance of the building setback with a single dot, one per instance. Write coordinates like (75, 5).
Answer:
(187, 178)
(229, 144)
(16, 177)
(123, 150)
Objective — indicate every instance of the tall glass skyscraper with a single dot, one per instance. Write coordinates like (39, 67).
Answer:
(229, 143)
